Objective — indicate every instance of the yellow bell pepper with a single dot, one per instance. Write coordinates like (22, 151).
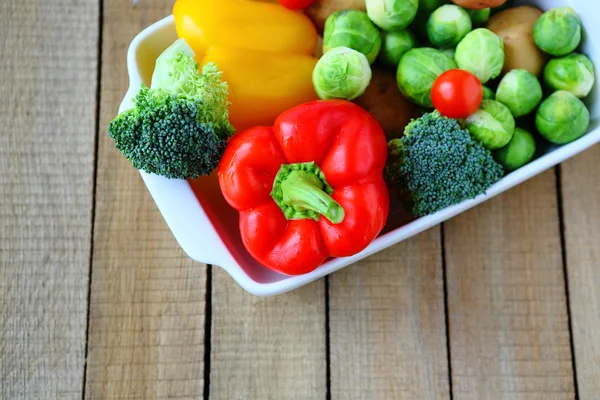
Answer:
(264, 50)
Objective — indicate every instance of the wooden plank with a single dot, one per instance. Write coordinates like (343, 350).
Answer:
(508, 322)
(267, 348)
(47, 118)
(147, 306)
(581, 205)
(388, 332)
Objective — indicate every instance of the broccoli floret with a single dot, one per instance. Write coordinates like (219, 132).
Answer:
(179, 127)
(437, 164)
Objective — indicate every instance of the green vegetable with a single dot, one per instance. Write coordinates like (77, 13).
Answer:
(342, 73)
(353, 29)
(418, 70)
(573, 73)
(479, 17)
(429, 6)
(179, 127)
(558, 31)
(482, 53)
(392, 15)
(488, 94)
(448, 25)
(438, 164)
(493, 124)
(395, 45)
(520, 91)
(518, 152)
(562, 118)
(450, 52)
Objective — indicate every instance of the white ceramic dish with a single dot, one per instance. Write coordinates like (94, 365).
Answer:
(206, 226)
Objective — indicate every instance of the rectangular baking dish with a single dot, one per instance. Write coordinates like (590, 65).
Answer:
(205, 226)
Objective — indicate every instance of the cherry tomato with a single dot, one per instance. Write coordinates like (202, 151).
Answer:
(296, 4)
(457, 93)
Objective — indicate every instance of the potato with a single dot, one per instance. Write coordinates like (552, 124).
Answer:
(321, 9)
(515, 26)
(479, 4)
(385, 102)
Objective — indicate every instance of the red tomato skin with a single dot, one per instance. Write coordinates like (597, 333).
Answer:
(296, 4)
(457, 93)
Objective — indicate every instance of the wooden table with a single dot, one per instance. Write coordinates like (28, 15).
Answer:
(98, 301)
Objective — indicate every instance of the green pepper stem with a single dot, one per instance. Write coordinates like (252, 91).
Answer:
(302, 192)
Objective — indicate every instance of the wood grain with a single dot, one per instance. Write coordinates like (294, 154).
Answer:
(147, 307)
(388, 332)
(581, 205)
(47, 117)
(267, 348)
(509, 334)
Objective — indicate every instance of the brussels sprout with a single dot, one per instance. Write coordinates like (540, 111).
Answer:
(562, 118)
(573, 73)
(418, 70)
(482, 53)
(479, 17)
(488, 94)
(520, 91)
(429, 6)
(518, 152)
(493, 124)
(450, 52)
(342, 73)
(353, 29)
(394, 45)
(448, 25)
(392, 14)
(558, 31)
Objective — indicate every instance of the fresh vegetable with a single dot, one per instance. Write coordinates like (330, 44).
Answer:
(482, 53)
(438, 164)
(296, 4)
(310, 187)
(342, 73)
(562, 118)
(395, 45)
(558, 31)
(386, 104)
(493, 124)
(518, 152)
(418, 70)
(429, 6)
(515, 27)
(520, 91)
(353, 29)
(244, 24)
(573, 73)
(392, 15)
(450, 52)
(488, 94)
(179, 127)
(448, 25)
(457, 93)
(479, 17)
(263, 49)
(263, 84)
(321, 9)
(479, 4)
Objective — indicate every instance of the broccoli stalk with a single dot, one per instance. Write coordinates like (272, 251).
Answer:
(179, 126)
(437, 164)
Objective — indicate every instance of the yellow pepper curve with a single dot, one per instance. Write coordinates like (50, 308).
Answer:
(264, 50)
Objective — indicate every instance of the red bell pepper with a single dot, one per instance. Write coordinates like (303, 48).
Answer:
(310, 187)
